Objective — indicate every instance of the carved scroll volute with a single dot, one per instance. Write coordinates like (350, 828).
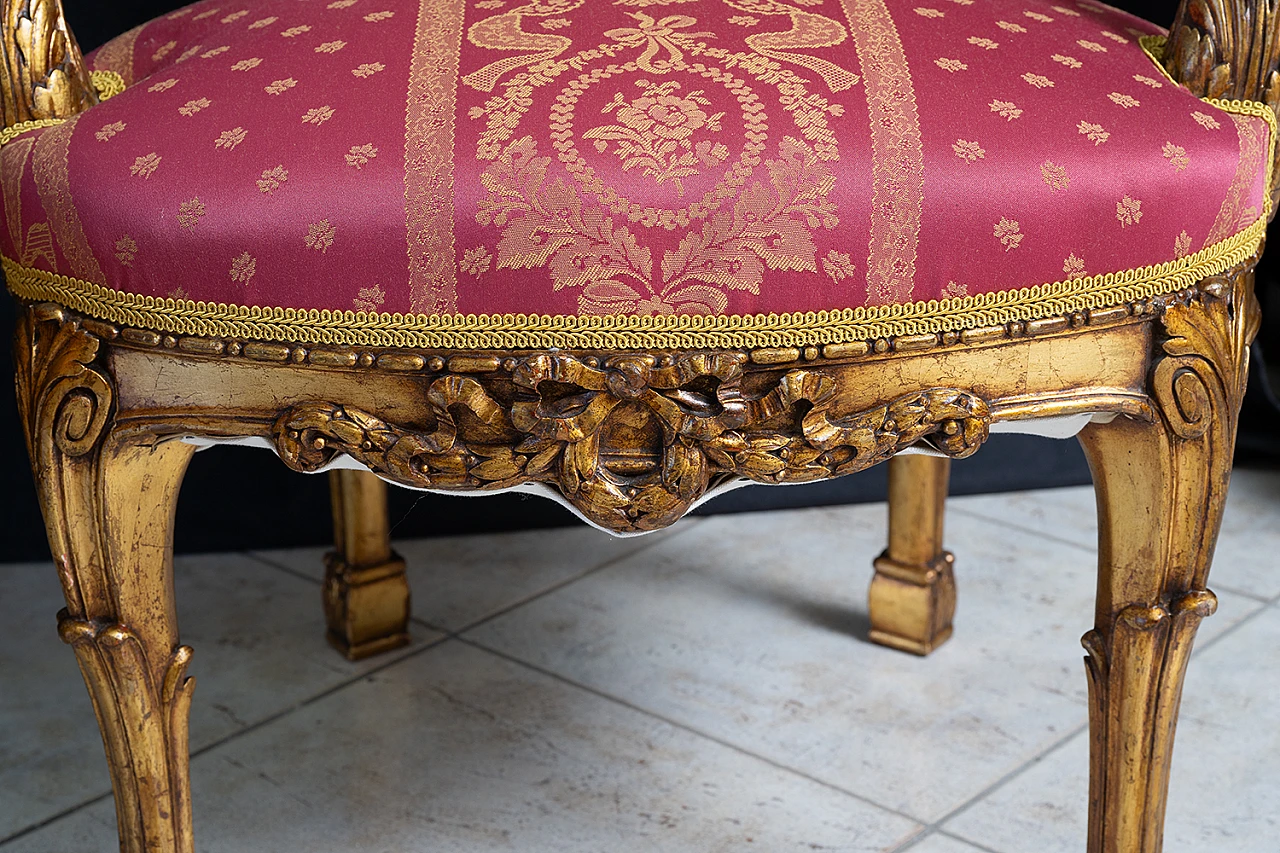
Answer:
(45, 75)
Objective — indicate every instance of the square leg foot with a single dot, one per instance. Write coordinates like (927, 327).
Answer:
(367, 608)
(912, 606)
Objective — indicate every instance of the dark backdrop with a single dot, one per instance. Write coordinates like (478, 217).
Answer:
(228, 489)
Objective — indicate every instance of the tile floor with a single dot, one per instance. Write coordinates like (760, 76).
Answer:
(706, 689)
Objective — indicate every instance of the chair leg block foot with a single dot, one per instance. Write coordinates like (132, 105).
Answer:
(367, 607)
(912, 606)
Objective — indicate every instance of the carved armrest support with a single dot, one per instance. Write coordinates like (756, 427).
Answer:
(1227, 49)
(44, 73)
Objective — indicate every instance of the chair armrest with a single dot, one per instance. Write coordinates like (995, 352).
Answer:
(1227, 49)
(43, 74)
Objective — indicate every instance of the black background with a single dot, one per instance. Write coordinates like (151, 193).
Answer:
(237, 498)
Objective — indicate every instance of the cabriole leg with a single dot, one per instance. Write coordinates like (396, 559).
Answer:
(109, 508)
(1160, 487)
(366, 593)
(913, 593)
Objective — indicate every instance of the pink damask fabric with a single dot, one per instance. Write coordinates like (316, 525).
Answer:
(573, 157)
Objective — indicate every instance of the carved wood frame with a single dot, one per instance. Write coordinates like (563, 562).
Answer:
(632, 440)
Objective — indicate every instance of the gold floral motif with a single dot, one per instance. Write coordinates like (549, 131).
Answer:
(341, 4)
(1093, 132)
(368, 69)
(272, 179)
(504, 31)
(1055, 176)
(1182, 245)
(1007, 110)
(955, 290)
(126, 250)
(1148, 81)
(360, 155)
(952, 65)
(968, 151)
(331, 46)
(190, 52)
(1069, 61)
(925, 12)
(243, 268)
(744, 20)
(178, 294)
(838, 266)
(164, 85)
(369, 299)
(235, 16)
(476, 261)
(809, 32)
(1038, 16)
(657, 36)
(1092, 46)
(217, 51)
(318, 116)
(1038, 80)
(375, 17)
(110, 130)
(181, 13)
(897, 152)
(656, 133)
(164, 50)
(247, 64)
(544, 224)
(294, 32)
(1208, 122)
(189, 213)
(1176, 155)
(1122, 100)
(209, 13)
(555, 23)
(231, 138)
(1073, 267)
(1011, 27)
(263, 23)
(1118, 39)
(321, 236)
(1008, 232)
(984, 43)
(145, 166)
(1128, 211)
(192, 107)
(1071, 13)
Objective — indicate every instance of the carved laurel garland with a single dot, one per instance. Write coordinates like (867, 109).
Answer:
(630, 440)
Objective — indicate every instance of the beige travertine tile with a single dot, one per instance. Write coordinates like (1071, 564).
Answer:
(458, 751)
(258, 635)
(1225, 786)
(459, 580)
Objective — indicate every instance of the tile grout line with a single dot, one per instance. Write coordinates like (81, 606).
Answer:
(690, 729)
(939, 826)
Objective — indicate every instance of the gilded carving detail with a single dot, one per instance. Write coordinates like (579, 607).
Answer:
(633, 441)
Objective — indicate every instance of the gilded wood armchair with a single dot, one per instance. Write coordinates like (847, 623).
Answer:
(631, 256)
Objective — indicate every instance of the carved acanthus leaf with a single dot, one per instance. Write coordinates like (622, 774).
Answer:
(45, 73)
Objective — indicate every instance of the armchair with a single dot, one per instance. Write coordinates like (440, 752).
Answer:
(629, 258)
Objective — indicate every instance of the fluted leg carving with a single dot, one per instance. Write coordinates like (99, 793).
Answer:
(913, 593)
(1160, 487)
(366, 593)
(109, 508)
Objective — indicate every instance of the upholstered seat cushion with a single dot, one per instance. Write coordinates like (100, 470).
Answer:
(638, 158)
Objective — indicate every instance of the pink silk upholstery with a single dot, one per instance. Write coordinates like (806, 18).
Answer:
(572, 157)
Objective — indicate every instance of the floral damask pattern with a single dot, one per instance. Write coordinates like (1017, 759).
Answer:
(642, 157)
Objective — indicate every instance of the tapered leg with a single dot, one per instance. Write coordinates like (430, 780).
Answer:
(108, 507)
(913, 592)
(366, 593)
(1160, 487)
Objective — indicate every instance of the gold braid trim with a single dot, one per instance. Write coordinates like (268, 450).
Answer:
(521, 331)
(528, 331)
(107, 83)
